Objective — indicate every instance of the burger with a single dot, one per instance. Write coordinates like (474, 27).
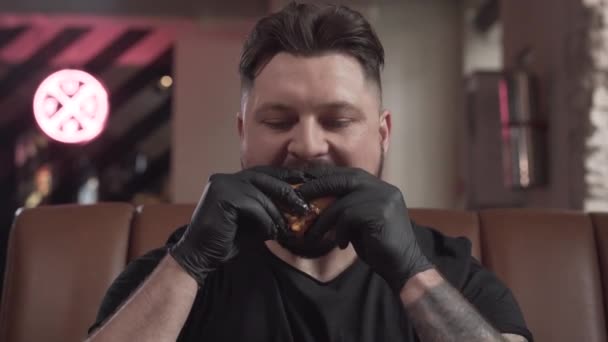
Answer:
(299, 224)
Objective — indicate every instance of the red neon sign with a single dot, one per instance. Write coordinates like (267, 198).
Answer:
(71, 106)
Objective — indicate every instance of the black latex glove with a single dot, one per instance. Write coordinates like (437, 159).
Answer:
(231, 206)
(371, 214)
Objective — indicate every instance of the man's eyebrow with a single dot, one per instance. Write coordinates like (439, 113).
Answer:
(274, 107)
(338, 106)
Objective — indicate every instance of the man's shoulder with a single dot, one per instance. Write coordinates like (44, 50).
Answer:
(451, 255)
(436, 244)
(481, 287)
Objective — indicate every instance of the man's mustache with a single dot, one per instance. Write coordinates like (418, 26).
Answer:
(304, 165)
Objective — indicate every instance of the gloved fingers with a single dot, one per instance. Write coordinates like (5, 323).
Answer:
(280, 192)
(288, 175)
(321, 171)
(334, 185)
(347, 229)
(341, 212)
(258, 215)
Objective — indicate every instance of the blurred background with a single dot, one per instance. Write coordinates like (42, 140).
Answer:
(496, 103)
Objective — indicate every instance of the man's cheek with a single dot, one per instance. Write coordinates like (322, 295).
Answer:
(266, 154)
(365, 158)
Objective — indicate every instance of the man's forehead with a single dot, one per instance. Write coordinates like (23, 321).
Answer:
(331, 64)
(312, 80)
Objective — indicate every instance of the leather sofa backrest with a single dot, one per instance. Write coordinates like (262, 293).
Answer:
(60, 262)
(549, 260)
(600, 223)
(452, 223)
(62, 259)
(154, 224)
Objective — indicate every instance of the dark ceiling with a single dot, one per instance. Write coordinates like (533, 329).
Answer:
(178, 8)
(174, 8)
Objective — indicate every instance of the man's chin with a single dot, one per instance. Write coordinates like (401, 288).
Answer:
(308, 250)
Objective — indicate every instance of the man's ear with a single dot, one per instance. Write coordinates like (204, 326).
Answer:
(239, 124)
(386, 125)
(240, 116)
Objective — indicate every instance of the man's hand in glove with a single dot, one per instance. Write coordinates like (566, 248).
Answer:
(232, 206)
(371, 214)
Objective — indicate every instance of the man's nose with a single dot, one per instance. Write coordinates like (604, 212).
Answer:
(308, 141)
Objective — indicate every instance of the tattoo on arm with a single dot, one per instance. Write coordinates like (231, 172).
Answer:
(442, 314)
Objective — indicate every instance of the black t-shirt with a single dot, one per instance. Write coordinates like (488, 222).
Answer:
(258, 297)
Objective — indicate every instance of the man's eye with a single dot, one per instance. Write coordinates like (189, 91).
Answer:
(337, 123)
(279, 125)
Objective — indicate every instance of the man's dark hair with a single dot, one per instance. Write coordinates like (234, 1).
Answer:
(304, 29)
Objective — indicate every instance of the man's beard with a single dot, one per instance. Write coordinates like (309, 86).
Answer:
(318, 248)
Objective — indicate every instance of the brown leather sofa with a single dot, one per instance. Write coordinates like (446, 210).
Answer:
(61, 260)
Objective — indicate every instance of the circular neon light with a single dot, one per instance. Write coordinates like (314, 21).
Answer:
(71, 106)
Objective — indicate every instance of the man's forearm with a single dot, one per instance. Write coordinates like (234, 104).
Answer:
(440, 313)
(156, 311)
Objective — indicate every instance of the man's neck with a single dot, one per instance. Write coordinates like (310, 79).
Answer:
(324, 268)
